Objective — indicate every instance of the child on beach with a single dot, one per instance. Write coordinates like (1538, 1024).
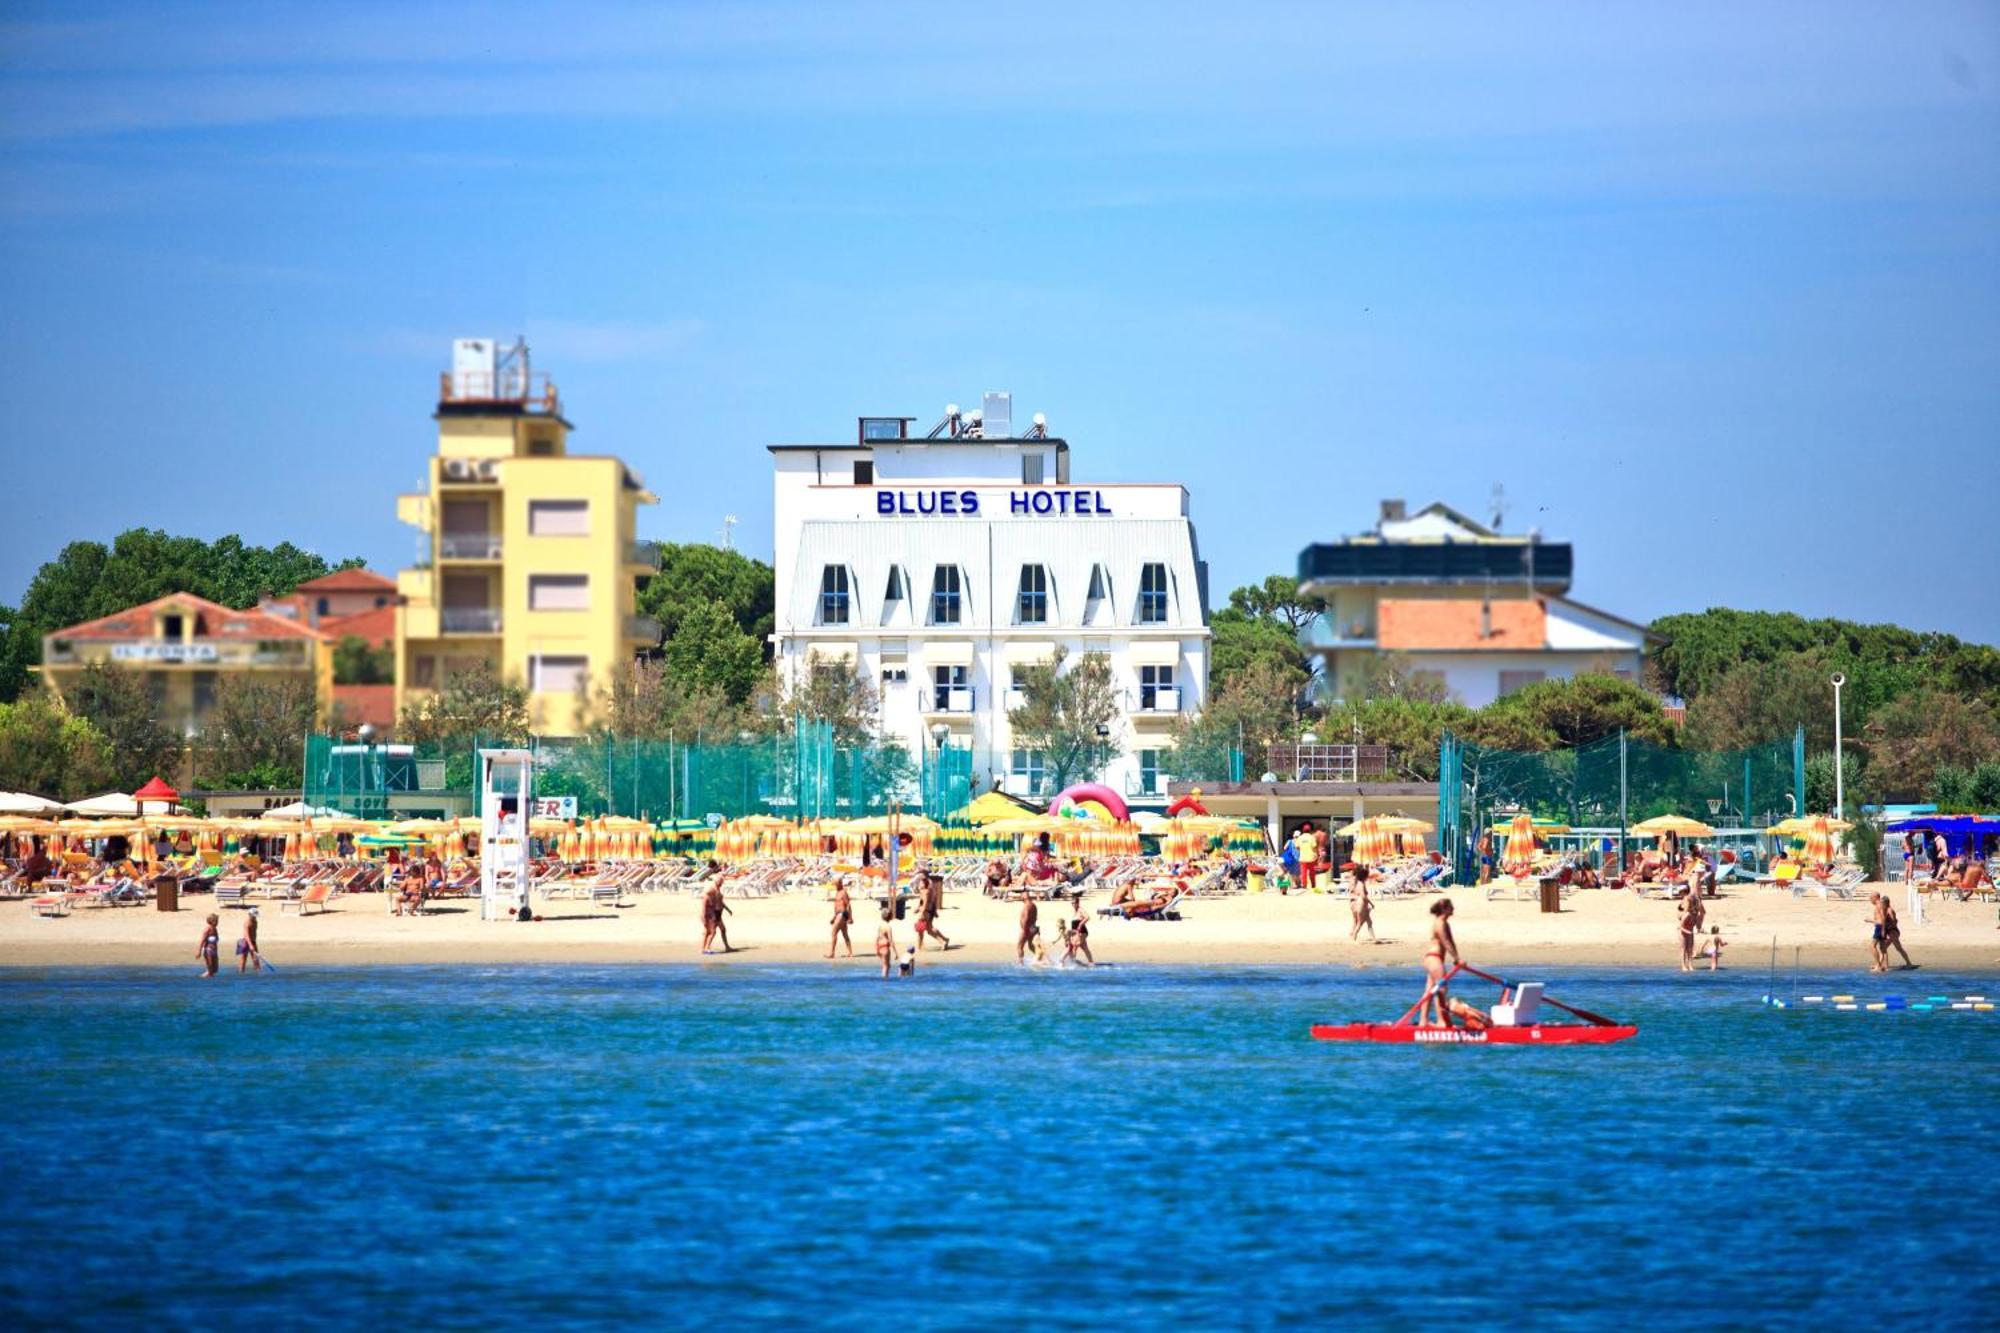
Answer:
(1711, 948)
(210, 948)
(246, 947)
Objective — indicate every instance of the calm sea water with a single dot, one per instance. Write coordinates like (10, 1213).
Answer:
(469, 1147)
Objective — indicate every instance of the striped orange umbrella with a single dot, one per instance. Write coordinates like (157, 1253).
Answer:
(1819, 842)
(1520, 853)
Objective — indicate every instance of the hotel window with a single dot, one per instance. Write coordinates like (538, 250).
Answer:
(1153, 679)
(558, 675)
(1030, 771)
(1149, 773)
(1031, 469)
(946, 595)
(945, 679)
(1099, 596)
(833, 595)
(1034, 600)
(558, 518)
(1511, 681)
(558, 592)
(892, 596)
(1153, 595)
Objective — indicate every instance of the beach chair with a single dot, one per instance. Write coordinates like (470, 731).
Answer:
(231, 895)
(51, 905)
(1520, 1012)
(316, 895)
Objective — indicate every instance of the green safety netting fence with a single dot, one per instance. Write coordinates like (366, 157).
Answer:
(1611, 784)
(798, 774)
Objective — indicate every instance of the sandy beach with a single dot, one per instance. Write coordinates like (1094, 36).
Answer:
(1604, 927)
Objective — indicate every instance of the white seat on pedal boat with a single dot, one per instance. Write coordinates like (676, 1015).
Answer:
(1521, 1013)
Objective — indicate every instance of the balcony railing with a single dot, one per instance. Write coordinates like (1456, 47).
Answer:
(950, 700)
(1159, 700)
(470, 619)
(646, 553)
(469, 546)
(643, 628)
(1330, 763)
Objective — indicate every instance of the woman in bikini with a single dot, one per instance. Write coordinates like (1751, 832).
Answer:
(885, 939)
(843, 917)
(210, 948)
(1441, 945)
(1363, 909)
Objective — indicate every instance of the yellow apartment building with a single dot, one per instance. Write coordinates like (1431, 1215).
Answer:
(183, 646)
(530, 561)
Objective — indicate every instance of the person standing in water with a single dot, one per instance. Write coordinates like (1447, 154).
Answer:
(885, 938)
(210, 949)
(246, 948)
(1030, 929)
(843, 917)
(1364, 910)
(1442, 945)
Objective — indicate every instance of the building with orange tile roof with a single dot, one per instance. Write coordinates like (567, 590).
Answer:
(1482, 612)
(184, 646)
(341, 595)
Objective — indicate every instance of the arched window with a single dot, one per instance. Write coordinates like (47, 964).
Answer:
(1153, 595)
(1032, 606)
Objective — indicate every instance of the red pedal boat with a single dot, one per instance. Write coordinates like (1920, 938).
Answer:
(1513, 1022)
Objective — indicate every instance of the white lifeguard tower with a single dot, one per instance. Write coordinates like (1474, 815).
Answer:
(506, 795)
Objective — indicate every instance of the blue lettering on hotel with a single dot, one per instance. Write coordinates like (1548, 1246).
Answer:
(1047, 501)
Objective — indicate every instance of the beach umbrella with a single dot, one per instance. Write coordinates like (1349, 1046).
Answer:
(111, 805)
(1679, 825)
(1819, 841)
(1798, 826)
(1520, 850)
(26, 804)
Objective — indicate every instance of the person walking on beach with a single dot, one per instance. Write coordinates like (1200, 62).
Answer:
(1878, 933)
(843, 917)
(1909, 856)
(246, 947)
(712, 910)
(1892, 935)
(1361, 906)
(930, 901)
(1030, 929)
(1076, 943)
(1442, 944)
(210, 949)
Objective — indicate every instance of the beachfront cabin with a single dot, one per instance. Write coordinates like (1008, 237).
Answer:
(530, 562)
(184, 647)
(1441, 595)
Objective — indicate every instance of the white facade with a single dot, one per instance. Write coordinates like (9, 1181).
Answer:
(1579, 640)
(938, 567)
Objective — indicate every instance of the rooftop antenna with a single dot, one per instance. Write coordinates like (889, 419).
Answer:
(729, 521)
(1498, 504)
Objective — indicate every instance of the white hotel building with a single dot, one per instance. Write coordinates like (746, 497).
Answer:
(940, 565)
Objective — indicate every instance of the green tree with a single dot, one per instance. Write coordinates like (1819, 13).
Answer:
(644, 700)
(88, 580)
(355, 662)
(708, 649)
(256, 731)
(1763, 700)
(1394, 675)
(1068, 716)
(694, 575)
(475, 702)
(1410, 728)
(17, 653)
(835, 693)
(1908, 741)
(1255, 708)
(1261, 623)
(1585, 708)
(117, 703)
(49, 752)
(1882, 662)
(1277, 601)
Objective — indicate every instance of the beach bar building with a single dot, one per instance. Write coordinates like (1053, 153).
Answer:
(939, 565)
(528, 560)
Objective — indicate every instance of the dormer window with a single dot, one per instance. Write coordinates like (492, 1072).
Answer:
(947, 595)
(1032, 605)
(171, 626)
(1153, 595)
(833, 595)
(1097, 601)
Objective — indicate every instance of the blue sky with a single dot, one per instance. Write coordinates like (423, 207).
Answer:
(1714, 290)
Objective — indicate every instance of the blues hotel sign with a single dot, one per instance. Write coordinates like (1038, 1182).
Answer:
(1039, 500)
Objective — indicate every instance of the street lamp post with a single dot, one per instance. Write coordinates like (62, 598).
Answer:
(1839, 787)
(939, 733)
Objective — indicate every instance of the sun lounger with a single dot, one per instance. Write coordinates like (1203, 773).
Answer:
(231, 895)
(50, 905)
(316, 895)
(608, 892)
(1149, 910)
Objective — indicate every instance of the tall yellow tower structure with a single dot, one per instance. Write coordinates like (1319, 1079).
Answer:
(530, 562)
